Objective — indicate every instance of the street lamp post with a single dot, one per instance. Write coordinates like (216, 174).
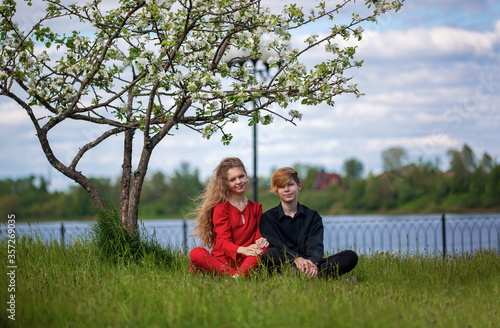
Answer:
(264, 73)
(255, 178)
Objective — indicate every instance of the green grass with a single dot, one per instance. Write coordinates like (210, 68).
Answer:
(76, 286)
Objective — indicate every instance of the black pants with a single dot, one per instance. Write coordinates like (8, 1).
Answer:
(329, 267)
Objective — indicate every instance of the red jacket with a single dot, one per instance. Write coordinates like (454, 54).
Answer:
(231, 233)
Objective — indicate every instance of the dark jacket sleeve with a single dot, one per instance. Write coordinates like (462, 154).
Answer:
(270, 230)
(314, 249)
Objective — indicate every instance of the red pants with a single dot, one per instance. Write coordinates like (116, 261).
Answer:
(202, 259)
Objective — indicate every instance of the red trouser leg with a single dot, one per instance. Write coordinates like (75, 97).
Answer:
(248, 264)
(206, 261)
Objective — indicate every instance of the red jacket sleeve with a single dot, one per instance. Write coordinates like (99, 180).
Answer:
(224, 236)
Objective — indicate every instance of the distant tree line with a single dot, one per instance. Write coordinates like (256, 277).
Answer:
(162, 197)
(470, 184)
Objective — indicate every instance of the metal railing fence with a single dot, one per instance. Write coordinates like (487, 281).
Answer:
(430, 236)
(444, 235)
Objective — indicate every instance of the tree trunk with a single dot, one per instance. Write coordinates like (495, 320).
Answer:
(126, 177)
(127, 167)
(130, 221)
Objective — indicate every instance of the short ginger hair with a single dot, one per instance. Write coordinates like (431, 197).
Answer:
(282, 176)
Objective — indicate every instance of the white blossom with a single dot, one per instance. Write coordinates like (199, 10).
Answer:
(215, 79)
(295, 114)
(312, 39)
(209, 130)
(142, 61)
(303, 89)
(273, 60)
(43, 56)
(268, 119)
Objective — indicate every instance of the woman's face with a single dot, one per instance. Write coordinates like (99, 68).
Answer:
(237, 180)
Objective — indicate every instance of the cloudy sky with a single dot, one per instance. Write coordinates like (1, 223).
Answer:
(431, 76)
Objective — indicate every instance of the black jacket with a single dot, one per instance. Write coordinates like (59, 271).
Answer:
(300, 236)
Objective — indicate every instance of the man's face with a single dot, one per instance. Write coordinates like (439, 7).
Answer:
(289, 193)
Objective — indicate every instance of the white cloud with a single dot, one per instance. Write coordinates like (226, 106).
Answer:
(435, 144)
(426, 117)
(428, 145)
(420, 43)
(437, 41)
(12, 114)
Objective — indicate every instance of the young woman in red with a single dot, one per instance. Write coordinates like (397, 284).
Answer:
(228, 223)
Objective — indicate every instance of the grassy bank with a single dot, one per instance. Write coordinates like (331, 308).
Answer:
(74, 287)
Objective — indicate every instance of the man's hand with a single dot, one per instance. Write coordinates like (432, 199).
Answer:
(262, 242)
(306, 266)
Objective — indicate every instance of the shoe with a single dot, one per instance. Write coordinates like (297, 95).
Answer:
(351, 279)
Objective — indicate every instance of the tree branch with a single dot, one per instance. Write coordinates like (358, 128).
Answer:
(147, 120)
(92, 144)
(58, 165)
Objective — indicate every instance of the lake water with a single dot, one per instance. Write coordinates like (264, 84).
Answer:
(363, 233)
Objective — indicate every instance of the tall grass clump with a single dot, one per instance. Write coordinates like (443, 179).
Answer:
(114, 244)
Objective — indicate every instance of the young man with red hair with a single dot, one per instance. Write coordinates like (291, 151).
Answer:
(295, 233)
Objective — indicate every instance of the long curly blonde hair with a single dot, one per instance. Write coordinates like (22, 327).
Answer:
(217, 191)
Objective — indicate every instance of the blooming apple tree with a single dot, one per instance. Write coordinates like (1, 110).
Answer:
(144, 68)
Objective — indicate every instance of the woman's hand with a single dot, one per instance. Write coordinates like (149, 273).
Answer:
(262, 242)
(252, 250)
